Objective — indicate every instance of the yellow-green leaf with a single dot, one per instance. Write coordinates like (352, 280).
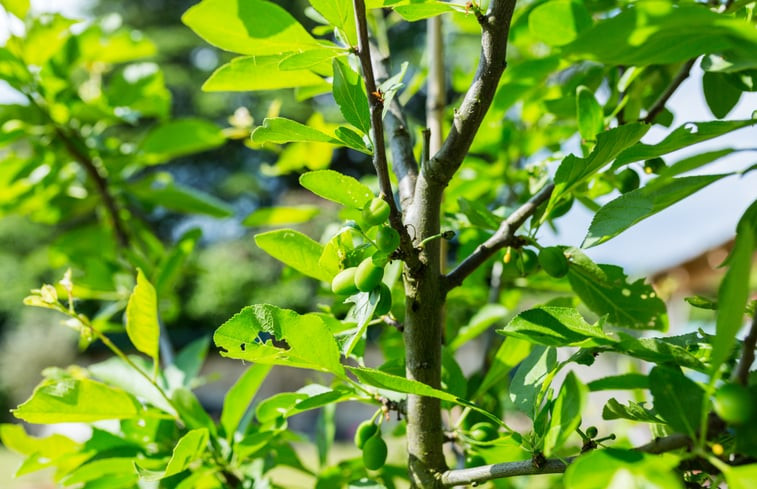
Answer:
(142, 317)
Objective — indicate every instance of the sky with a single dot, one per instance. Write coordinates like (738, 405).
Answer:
(678, 233)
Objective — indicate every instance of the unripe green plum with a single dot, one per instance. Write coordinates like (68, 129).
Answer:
(385, 300)
(628, 180)
(483, 432)
(553, 261)
(734, 404)
(592, 431)
(528, 261)
(343, 282)
(364, 432)
(655, 165)
(387, 239)
(375, 212)
(374, 452)
(368, 276)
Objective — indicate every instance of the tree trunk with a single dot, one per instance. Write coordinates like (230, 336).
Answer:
(424, 324)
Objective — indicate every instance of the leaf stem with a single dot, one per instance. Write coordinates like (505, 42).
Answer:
(659, 105)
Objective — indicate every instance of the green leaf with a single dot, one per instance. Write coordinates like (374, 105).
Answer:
(253, 27)
(142, 324)
(528, 381)
(622, 382)
(70, 400)
(15, 438)
(606, 291)
(188, 362)
(19, 8)
(350, 96)
(266, 334)
(179, 138)
(352, 140)
(420, 11)
(694, 162)
(281, 216)
(677, 399)
(337, 187)
(280, 130)
(632, 207)
(661, 32)
(734, 288)
(510, 353)
(191, 411)
(318, 60)
(239, 397)
(484, 318)
(657, 350)
(558, 22)
(574, 170)
(720, 94)
(340, 14)
(103, 469)
(612, 468)
(591, 118)
(251, 73)
(566, 413)
(740, 477)
(117, 373)
(634, 411)
(553, 326)
(189, 448)
(294, 249)
(160, 189)
(683, 136)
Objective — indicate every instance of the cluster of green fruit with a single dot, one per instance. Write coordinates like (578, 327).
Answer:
(551, 259)
(481, 433)
(366, 277)
(368, 439)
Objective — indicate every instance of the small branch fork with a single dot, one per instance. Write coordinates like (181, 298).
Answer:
(485, 473)
(504, 236)
(659, 104)
(377, 134)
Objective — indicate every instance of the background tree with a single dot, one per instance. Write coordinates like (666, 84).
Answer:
(496, 177)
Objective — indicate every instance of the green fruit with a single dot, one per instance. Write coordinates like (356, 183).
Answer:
(628, 180)
(385, 300)
(374, 452)
(474, 460)
(528, 261)
(343, 282)
(655, 165)
(553, 261)
(368, 276)
(364, 432)
(592, 431)
(483, 432)
(733, 404)
(375, 212)
(387, 239)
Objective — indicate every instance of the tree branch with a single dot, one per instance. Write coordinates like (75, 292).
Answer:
(502, 237)
(495, 25)
(485, 473)
(741, 374)
(377, 135)
(400, 143)
(101, 184)
(659, 104)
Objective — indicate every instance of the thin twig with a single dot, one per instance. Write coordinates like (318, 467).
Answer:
(495, 26)
(659, 104)
(100, 184)
(504, 236)
(741, 374)
(400, 142)
(485, 473)
(377, 134)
